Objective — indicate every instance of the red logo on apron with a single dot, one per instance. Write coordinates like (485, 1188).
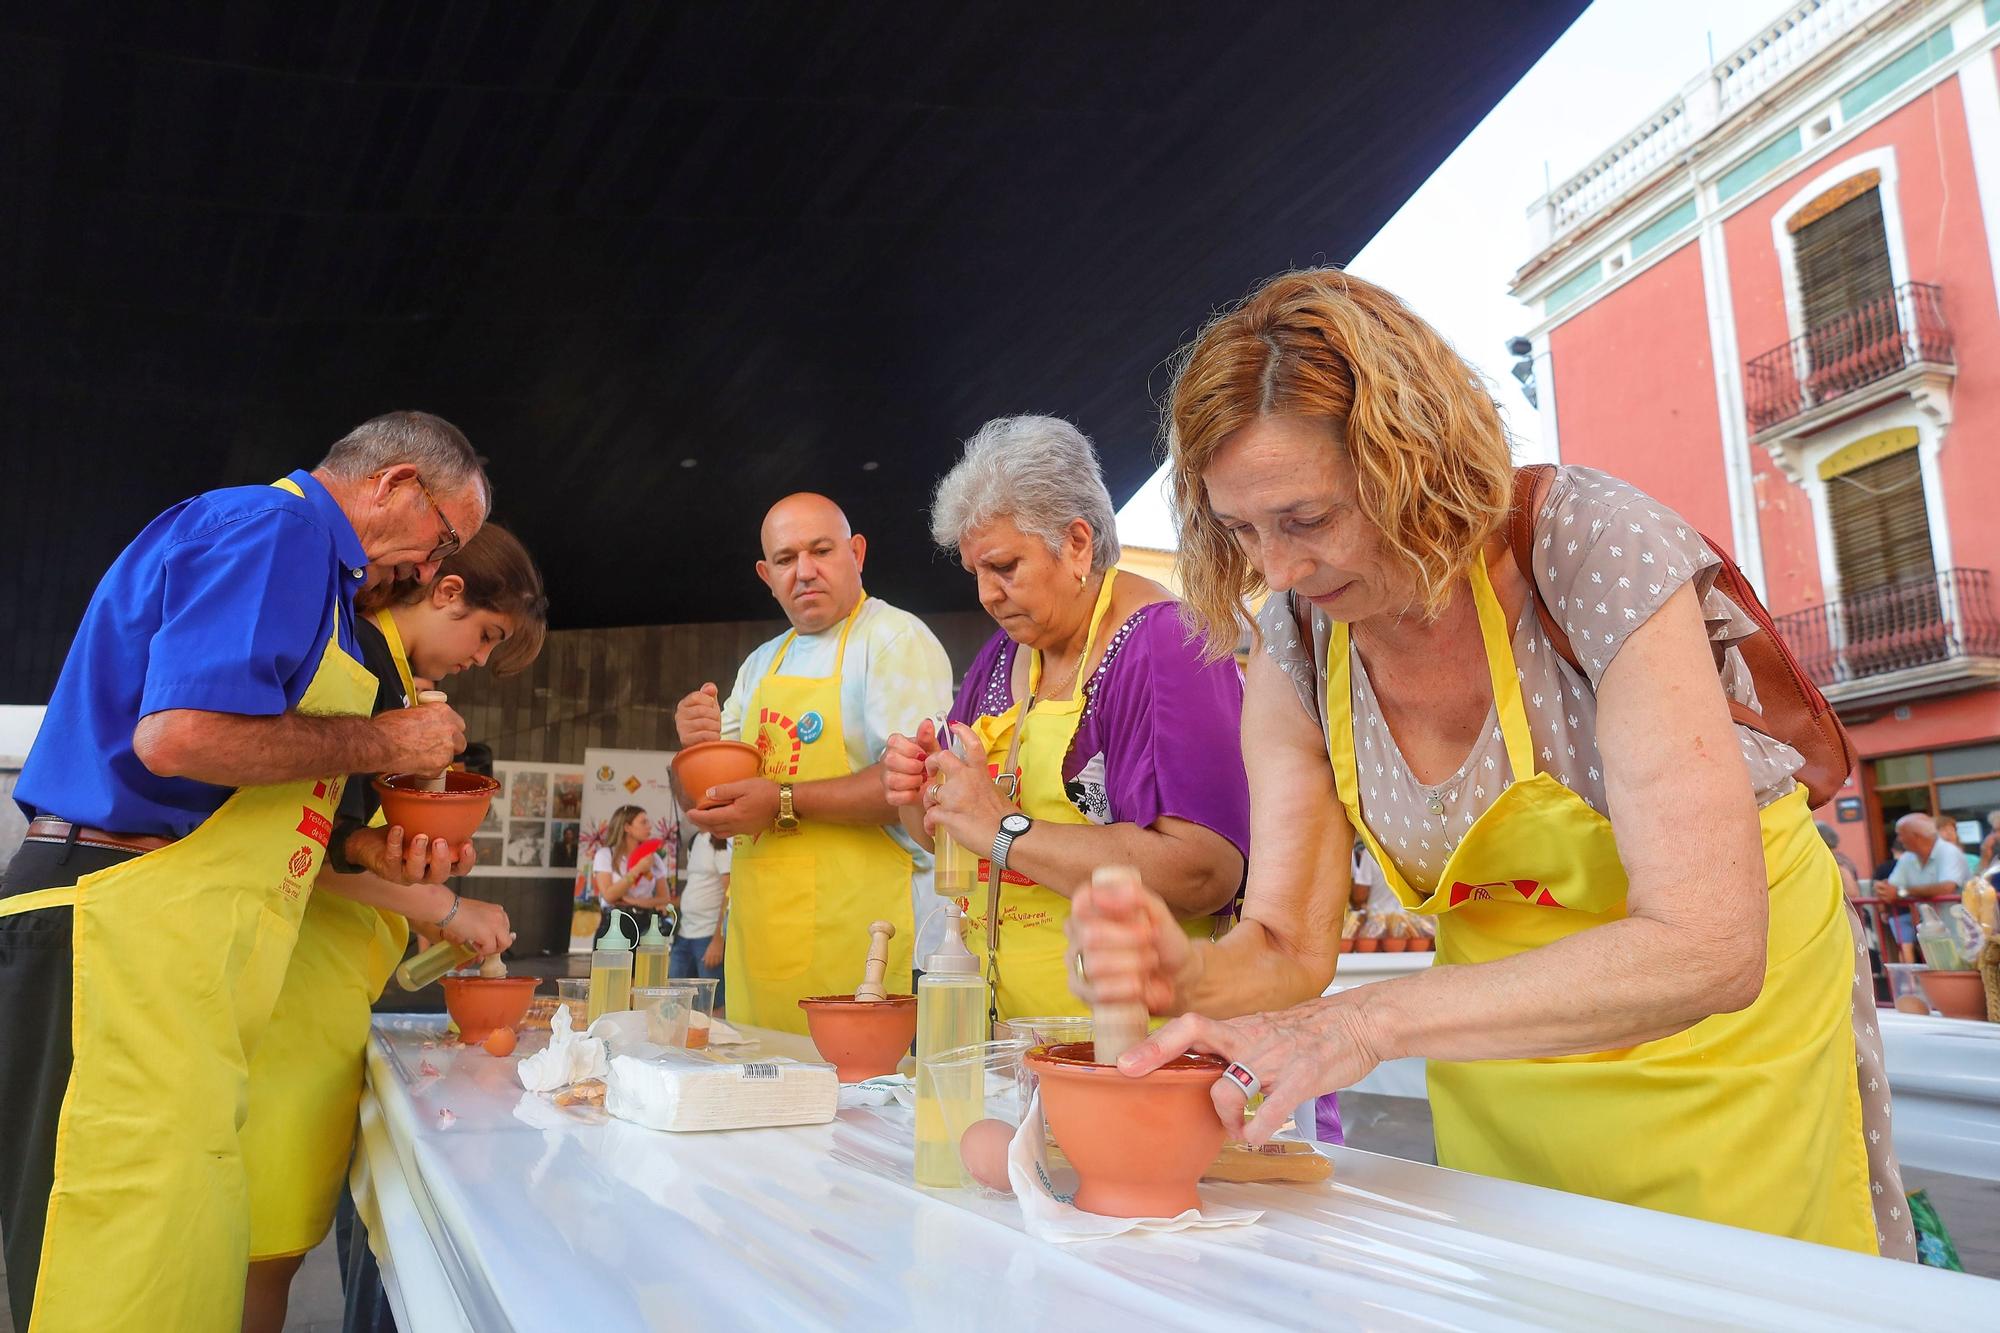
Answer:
(316, 826)
(302, 861)
(1530, 889)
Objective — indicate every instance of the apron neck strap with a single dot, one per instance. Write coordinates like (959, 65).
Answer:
(1507, 702)
(385, 621)
(839, 653)
(1506, 677)
(1097, 612)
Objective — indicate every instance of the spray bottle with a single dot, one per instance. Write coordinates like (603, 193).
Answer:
(649, 960)
(951, 1014)
(611, 970)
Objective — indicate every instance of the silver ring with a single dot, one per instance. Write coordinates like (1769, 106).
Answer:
(1241, 1076)
(936, 792)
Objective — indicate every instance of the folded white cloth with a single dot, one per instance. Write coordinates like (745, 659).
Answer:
(682, 1090)
(1052, 1217)
(721, 1034)
(569, 1058)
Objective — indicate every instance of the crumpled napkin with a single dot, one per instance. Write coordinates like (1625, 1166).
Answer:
(1052, 1217)
(879, 1091)
(721, 1034)
(569, 1058)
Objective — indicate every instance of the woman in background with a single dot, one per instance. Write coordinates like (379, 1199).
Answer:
(640, 888)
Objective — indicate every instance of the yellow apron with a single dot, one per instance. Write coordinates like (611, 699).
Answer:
(800, 903)
(305, 1079)
(1751, 1118)
(1033, 955)
(178, 958)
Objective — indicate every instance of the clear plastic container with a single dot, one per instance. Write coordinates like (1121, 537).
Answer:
(1047, 1031)
(975, 1084)
(703, 1011)
(1906, 993)
(574, 993)
(668, 1011)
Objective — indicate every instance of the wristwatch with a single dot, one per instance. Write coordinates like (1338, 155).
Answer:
(788, 819)
(1011, 827)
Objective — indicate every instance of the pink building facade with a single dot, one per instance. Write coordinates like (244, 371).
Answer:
(1774, 306)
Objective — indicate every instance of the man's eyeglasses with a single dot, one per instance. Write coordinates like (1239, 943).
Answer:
(447, 544)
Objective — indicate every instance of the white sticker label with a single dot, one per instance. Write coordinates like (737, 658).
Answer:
(761, 1071)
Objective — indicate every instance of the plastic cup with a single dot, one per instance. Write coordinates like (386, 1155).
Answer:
(667, 1009)
(574, 993)
(703, 1012)
(975, 1084)
(1050, 1030)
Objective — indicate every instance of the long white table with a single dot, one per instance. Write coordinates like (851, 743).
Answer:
(510, 1214)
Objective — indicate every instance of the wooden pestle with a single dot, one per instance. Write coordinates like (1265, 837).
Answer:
(432, 697)
(879, 935)
(1116, 1028)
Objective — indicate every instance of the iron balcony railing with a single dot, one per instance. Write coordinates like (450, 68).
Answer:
(1914, 623)
(1850, 351)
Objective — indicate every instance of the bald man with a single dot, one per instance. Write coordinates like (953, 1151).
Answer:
(1930, 865)
(819, 853)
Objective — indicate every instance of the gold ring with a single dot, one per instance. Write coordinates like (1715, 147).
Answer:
(937, 792)
(1082, 973)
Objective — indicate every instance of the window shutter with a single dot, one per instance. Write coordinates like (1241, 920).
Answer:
(1881, 533)
(1843, 260)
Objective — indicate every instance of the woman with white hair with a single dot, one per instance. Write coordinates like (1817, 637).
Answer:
(1113, 740)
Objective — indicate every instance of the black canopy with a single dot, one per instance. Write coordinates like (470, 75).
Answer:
(662, 262)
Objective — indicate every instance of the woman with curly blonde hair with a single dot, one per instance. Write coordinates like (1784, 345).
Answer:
(1646, 987)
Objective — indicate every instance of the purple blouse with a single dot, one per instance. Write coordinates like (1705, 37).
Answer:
(1160, 733)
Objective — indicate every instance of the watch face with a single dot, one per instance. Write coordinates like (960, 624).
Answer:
(1017, 824)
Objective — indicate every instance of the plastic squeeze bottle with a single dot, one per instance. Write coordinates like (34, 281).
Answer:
(649, 960)
(611, 970)
(422, 969)
(951, 1014)
(955, 873)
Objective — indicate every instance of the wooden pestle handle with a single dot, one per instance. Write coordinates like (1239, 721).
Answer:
(432, 697)
(879, 935)
(1116, 1028)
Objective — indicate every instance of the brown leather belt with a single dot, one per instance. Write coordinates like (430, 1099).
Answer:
(46, 829)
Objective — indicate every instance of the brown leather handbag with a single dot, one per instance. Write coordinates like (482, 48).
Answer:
(1795, 712)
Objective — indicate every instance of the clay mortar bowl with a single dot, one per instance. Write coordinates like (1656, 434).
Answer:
(861, 1039)
(480, 1004)
(1138, 1144)
(449, 815)
(712, 763)
(1955, 994)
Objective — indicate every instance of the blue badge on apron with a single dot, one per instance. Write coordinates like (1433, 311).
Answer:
(810, 726)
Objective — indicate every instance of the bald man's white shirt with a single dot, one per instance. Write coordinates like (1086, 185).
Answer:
(896, 674)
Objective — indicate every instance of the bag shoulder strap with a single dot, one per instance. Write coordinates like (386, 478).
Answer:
(1531, 492)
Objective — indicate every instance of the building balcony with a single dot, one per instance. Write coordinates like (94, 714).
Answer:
(1919, 637)
(1896, 344)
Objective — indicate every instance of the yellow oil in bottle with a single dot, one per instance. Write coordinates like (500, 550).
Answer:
(610, 984)
(951, 1015)
(649, 968)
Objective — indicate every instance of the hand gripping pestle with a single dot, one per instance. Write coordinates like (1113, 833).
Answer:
(1117, 1027)
(432, 697)
(871, 988)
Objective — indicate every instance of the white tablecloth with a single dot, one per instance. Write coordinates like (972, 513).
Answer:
(517, 1216)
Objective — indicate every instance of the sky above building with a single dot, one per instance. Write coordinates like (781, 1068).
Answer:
(1452, 248)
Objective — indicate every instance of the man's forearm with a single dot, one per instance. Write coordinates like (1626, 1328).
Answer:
(854, 799)
(231, 750)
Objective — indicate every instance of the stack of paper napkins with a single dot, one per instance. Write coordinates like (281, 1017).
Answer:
(680, 1090)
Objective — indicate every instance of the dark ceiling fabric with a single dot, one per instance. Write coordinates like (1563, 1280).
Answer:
(783, 240)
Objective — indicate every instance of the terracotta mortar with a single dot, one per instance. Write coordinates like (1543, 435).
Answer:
(712, 763)
(449, 815)
(1138, 1144)
(861, 1039)
(480, 1004)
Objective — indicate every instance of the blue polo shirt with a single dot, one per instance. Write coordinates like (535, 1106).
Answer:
(224, 603)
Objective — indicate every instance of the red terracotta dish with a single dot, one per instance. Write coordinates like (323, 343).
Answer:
(861, 1039)
(1138, 1144)
(712, 763)
(480, 1004)
(449, 815)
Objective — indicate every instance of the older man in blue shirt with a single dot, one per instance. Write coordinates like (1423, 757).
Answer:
(180, 795)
